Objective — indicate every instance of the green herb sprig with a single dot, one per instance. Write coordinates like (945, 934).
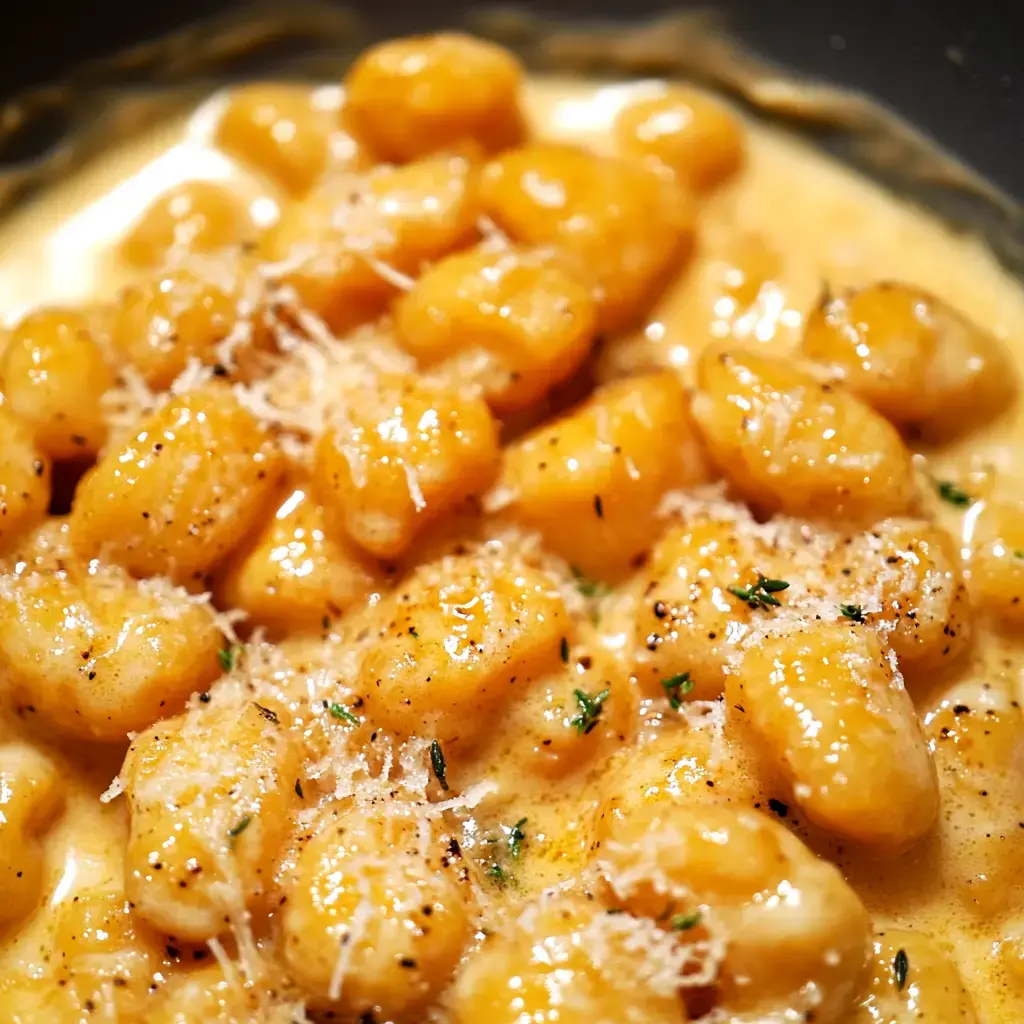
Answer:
(498, 875)
(237, 830)
(590, 710)
(853, 612)
(951, 494)
(439, 765)
(341, 712)
(684, 922)
(762, 593)
(516, 838)
(676, 687)
(228, 657)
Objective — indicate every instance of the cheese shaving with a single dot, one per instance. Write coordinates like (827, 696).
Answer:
(353, 935)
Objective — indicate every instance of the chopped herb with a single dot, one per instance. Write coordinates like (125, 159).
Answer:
(900, 969)
(762, 593)
(497, 872)
(270, 716)
(413, 633)
(516, 838)
(615, 910)
(853, 612)
(565, 650)
(676, 687)
(1018, 553)
(437, 762)
(598, 506)
(229, 657)
(589, 588)
(298, 790)
(234, 833)
(342, 712)
(684, 922)
(948, 491)
(590, 710)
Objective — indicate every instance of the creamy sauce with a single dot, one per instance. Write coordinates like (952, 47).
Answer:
(832, 229)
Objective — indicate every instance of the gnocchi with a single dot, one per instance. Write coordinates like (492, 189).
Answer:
(401, 456)
(826, 705)
(175, 498)
(566, 198)
(412, 97)
(792, 444)
(720, 867)
(31, 795)
(511, 323)
(54, 375)
(591, 482)
(372, 925)
(912, 357)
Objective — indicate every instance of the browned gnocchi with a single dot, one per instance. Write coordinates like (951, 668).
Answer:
(792, 444)
(514, 324)
(825, 705)
(54, 376)
(687, 131)
(278, 130)
(912, 357)
(401, 456)
(591, 482)
(196, 217)
(412, 97)
(176, 497)
(618, 226)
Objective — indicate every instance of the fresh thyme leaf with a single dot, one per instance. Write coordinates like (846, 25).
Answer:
(497, 872)
(900, 968)
(1018, 553)
(762, 593)
(342, 712)
(676, 687)
(413, 633)
(565, 650)
(267, 713)
(590, 710)
(229, 657)
(949, 492)
(243, 824)
(437, 762)
(298, 789)
(684, 922)
(516, 837)
(853, 612)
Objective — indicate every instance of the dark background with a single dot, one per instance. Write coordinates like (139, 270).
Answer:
(955, 68)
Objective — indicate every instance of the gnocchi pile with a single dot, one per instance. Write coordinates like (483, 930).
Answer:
(512, 582)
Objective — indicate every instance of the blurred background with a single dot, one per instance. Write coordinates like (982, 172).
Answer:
(955, 68)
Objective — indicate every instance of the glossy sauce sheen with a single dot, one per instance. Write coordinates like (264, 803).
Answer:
(558, 525)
